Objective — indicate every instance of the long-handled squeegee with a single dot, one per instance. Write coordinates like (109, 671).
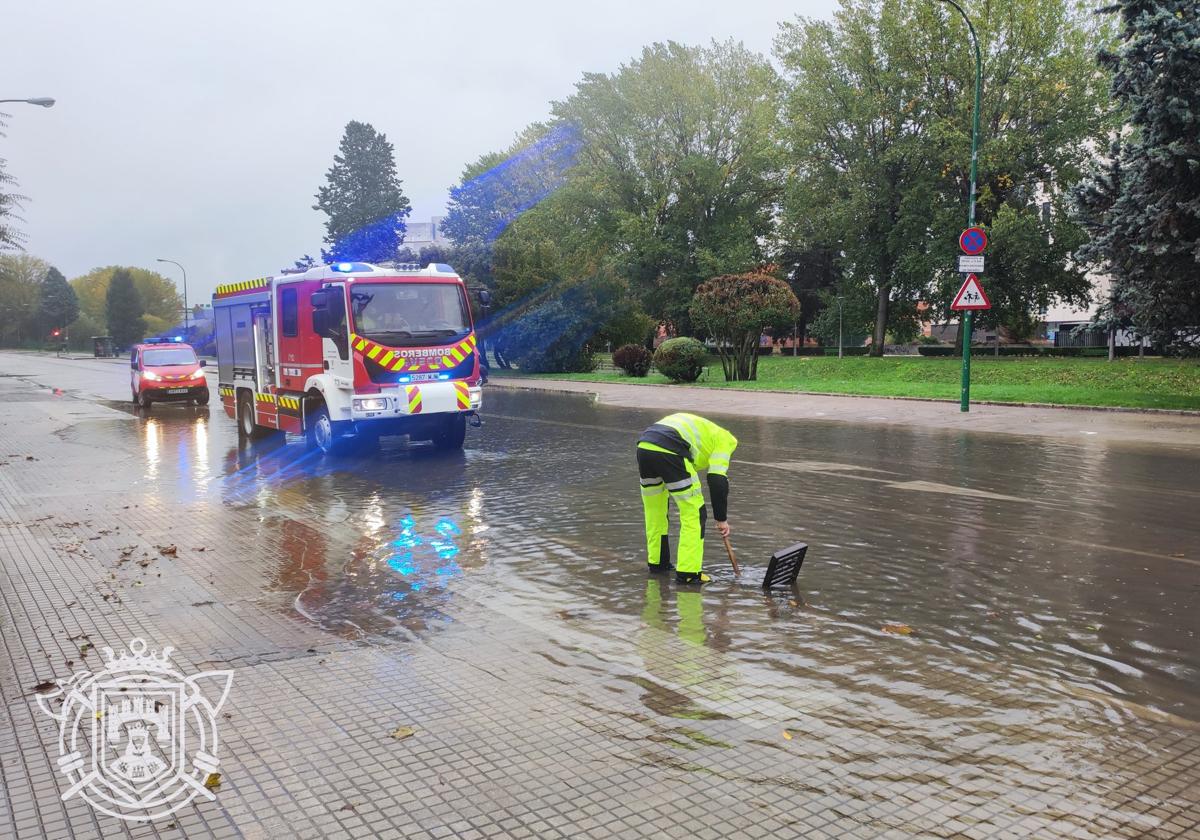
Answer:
(732, 558)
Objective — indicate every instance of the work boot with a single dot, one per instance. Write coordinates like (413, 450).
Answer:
(697, 578)
(658, 568)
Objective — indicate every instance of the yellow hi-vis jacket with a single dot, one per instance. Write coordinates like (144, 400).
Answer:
(711, 445)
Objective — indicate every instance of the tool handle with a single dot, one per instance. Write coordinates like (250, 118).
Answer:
(732, 558)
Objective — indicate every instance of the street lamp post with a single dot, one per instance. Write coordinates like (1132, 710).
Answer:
(968, 315)
(186, 311)
(44, 101)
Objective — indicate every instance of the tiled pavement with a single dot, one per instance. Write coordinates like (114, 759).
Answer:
(527, 723)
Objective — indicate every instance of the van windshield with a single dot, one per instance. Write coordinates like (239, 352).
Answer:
(169, 356)
(409, 313)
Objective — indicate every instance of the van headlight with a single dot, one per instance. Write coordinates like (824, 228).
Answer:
(370, 404)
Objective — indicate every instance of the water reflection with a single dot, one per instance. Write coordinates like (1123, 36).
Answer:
(152, 438)
(1072, 567)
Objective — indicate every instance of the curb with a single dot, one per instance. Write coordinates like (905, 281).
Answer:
(1111, 409)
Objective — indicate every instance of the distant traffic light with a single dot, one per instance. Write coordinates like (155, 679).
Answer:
(55, 333)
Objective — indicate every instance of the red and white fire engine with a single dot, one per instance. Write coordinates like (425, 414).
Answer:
(349, 349)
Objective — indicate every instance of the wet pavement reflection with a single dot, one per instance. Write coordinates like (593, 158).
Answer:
(1059, 577)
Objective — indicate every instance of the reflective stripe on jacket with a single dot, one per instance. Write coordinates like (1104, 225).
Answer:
(711, 446)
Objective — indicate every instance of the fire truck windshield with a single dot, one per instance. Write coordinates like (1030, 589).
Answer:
(409, 313)
(169, 356)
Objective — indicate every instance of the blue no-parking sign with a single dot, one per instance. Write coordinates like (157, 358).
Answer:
(973, 241)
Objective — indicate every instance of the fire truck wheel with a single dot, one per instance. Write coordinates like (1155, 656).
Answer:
(452, 433)
(323, 433)
(247, 428)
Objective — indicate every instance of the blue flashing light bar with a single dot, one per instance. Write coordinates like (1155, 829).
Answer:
(351, 267)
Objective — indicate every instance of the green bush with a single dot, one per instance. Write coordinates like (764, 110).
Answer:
(681, 359)
(846, 351)
(549, 338)
(634, 359)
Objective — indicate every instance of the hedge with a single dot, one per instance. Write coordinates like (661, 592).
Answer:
(1085, 352)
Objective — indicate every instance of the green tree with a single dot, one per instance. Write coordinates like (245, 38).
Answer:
(554, 290)
(160, 298)
(878, 110)
(678, 168)
(734, 310)
(363, 199)
(499, 187)
(21, 277)
(58, 306)
(1029, 267)
(123, 309)
(1142, 204)
(11, 237)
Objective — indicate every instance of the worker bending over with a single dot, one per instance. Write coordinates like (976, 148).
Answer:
(670, 454)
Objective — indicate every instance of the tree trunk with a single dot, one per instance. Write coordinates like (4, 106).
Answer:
(881, 319)
(728, 363)
(1112, 342)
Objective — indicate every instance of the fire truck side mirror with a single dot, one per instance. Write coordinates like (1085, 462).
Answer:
(319, 300)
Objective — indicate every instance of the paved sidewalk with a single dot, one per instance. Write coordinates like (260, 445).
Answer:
(1068, 424)
(527, 721)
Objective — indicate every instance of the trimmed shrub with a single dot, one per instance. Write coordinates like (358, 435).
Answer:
(847, 351)
(634, 359)
(681, 359)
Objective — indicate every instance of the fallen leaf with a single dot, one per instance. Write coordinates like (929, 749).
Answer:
(897, 629)
(168, 550)
(213, 781)
(44, 686)
(402, 732)
(787, 736)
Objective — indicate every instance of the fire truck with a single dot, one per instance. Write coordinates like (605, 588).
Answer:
(349, 350)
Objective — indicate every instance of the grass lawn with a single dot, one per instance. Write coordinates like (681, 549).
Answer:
(1134, 383)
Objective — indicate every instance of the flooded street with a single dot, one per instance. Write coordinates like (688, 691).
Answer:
(1006, 618)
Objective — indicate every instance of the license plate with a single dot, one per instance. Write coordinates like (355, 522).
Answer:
(177, 390)
(424, 377)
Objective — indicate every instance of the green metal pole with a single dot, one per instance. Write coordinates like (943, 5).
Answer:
(969, 316)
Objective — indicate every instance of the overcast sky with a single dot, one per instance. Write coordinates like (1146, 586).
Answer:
(200, 131)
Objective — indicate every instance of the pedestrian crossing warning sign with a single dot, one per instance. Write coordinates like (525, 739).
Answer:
(971, 296)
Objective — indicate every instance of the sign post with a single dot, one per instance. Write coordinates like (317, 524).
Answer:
(966, 241)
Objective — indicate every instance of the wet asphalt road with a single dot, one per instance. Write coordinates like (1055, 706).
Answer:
(1055, 573)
